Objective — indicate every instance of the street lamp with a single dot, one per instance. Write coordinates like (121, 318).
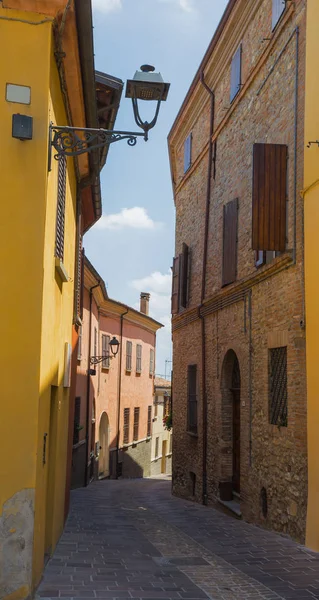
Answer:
(73, 141)
(114, 345)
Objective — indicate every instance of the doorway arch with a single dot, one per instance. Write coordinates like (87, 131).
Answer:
(230, 413)
(104, 455)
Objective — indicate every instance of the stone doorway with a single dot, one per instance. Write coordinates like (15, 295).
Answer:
(230, 413)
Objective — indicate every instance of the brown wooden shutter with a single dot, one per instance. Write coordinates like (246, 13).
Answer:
(183, 276)
(175, 286)
(230, 242)
(269, 197)
(60, 216)
(149, 421)
(136, 423)
(235, 77)
(187, 153)
(126, 426)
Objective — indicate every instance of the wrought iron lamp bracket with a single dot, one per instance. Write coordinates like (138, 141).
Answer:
(311, 143)
(95, 360)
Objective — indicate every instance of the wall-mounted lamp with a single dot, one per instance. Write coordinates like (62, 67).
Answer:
(145, 85)
(114, 345)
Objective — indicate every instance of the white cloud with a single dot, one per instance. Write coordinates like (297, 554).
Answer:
(107, 6)
(156, 282)
(186, 5)
(133, 218)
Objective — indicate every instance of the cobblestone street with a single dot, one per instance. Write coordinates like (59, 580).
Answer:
(131, 539)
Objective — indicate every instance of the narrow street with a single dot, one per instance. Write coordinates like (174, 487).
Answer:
(131, 539)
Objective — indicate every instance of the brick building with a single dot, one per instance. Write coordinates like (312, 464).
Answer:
(236, 152)
(113, 399)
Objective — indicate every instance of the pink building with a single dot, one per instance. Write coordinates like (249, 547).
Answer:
(113, 404)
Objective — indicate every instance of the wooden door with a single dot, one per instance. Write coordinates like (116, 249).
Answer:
(236, 440)
(164, 451)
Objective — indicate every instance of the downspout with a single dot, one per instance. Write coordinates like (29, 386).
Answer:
(119, 396)
(88, 386)
(203, 290)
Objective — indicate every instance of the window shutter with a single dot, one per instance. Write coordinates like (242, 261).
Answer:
(175, 286)
(105, 351)
(126, 426)
(278, 7)
(235, 76)
(269, 197)
(230, 242)
(138, 358)
(60, 216)
(136, 423)
(149, 421)
(187, 153)
(151, 361)
(129, 356)
(183, 276)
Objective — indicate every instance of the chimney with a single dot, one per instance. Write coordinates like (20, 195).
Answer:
(145, 302)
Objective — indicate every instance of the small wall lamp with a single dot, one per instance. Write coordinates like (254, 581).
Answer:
(114, 345)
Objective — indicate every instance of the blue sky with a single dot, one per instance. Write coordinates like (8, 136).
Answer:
(133, 244)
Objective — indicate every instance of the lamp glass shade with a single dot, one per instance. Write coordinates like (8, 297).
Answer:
(147, 86)
(114, 345)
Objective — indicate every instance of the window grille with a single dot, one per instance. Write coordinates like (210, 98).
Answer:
(278, 396)
(136, 423)
(126, 427)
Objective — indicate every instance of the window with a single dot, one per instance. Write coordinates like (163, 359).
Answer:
(80, 343)
(138, 358)
(126, 426)
(230, 242)
(265, 257)
(77, 417)
(136, 423)
(278, 397)
(269, 197)
(60, 216)
(152, 366)
(156, 446)
(129, 356)
(235, 75)
(180, 281)
(192, 399)
(156, 407)
(105, 351)
(187, 153)
(278, 7)
(149, 421)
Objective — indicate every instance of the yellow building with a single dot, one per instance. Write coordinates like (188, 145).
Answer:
(311, 224)
(47, 73)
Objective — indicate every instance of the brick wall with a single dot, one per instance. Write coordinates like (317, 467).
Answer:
(276, 458)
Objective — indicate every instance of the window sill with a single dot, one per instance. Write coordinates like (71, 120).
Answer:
(105, 368)
(61, 270)
(192, 434)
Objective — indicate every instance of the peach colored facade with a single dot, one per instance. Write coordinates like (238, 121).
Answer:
(112, 388)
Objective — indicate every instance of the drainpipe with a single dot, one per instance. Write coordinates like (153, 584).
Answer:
(88, 386)
(119, 395)
(203, 290)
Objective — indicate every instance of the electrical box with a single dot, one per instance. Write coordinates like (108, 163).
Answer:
(22, 127)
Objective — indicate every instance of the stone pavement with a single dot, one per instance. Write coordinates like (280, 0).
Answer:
(131, 539)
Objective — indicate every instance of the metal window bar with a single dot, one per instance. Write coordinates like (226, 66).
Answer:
(149, 421)
(126, 426)
(136, 423)
(278, 395)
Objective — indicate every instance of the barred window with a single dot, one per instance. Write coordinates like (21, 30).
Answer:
(136, 423)
(126, 427)
(60, 215)
(105, 351)
(138, 358)
(278, 396)
(149, 421)
(129, 356)
(192, 399)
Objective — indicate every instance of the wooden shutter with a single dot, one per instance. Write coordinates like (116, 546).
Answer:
(129, 356)
(192, 399)
(183, 276)
(187, 153)
(126, 426)
(136, 423)
(149, 421)
(151, 361)
(138, 358)
(105, 351)
(278, 7)
(230, 242)
(235, 76)
(269, 197)
(175, 286)
(60, 216)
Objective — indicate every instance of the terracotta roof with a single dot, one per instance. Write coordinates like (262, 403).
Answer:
(161, 382)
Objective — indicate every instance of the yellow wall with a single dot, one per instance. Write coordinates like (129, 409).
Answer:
(36, 311)
(311, 206)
